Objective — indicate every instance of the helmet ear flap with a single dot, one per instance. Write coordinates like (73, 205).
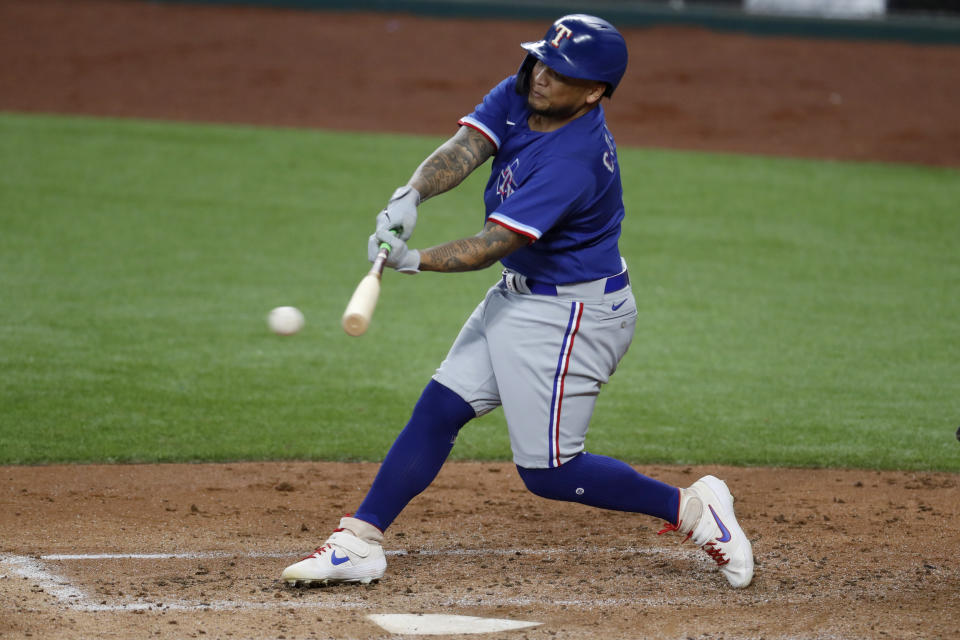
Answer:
(522, 85)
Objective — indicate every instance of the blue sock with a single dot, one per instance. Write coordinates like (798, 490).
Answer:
(606, 483)
(417, 454)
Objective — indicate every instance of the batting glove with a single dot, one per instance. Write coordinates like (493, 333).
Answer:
(402, 258)
(401, 212)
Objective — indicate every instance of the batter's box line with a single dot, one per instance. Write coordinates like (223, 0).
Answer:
(52, 584)
(74, 598)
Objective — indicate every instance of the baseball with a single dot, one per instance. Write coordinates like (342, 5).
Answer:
(285, 321)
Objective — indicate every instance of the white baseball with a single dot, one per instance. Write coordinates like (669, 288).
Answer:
(285, 321)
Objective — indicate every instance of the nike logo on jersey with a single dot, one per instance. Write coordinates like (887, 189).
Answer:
(618, 305)
(724, 532)
(335, 560)
(510, 123)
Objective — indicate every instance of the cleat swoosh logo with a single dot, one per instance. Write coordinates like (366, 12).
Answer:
(336, 560)
(618, 305)
(725, 533)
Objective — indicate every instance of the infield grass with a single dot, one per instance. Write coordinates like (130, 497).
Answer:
(793, 312)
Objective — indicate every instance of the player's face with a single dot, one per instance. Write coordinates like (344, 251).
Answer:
(556, 96)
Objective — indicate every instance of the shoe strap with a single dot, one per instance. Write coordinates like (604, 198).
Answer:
(691, 510)
(349, 542)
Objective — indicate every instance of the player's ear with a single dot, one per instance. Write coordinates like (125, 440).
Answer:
(595, 94)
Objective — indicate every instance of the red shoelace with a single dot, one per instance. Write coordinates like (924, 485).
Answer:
(710, 547)
(321, 549)
(715, 553)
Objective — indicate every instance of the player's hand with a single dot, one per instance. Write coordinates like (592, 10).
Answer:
(401, 212)
(402, 258)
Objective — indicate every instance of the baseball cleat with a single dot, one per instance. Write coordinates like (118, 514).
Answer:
(344, 557)
(707, 518)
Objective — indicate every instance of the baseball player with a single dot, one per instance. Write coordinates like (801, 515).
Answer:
(553, 328)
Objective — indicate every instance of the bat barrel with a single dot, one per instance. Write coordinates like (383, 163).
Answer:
(359, 311)
(355, 324)
(356, 317)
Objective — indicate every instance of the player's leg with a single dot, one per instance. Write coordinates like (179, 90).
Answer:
(462, 388)
(354, 552)
(572, 348)
(417, 454)
(606, 483)
(703, 512)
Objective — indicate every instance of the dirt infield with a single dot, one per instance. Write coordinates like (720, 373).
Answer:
(840, 554)
(195, 550)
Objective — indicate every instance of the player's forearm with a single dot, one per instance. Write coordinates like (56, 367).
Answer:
(467, 254)
(471, 254)
(451, 163)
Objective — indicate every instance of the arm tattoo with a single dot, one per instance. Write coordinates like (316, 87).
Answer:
(471, 254)
(452, 162)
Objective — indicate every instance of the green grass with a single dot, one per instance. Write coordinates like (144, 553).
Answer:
(793, 312)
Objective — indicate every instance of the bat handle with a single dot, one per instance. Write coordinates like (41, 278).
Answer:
(381, 259)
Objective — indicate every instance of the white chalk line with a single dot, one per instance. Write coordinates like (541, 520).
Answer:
(58, 587)
(72, 597)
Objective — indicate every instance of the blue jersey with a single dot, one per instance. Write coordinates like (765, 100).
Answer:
(561, 189)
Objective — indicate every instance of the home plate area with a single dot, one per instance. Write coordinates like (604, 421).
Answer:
(113, 570)
(439, 624)
(547, 593)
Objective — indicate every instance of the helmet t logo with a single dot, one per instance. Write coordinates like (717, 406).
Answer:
(562, 32)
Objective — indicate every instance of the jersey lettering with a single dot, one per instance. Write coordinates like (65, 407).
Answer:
(562, 32)
(610, 155)
(506, 183)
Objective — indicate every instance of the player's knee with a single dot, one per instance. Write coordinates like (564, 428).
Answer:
(540, 482)
(441, 409)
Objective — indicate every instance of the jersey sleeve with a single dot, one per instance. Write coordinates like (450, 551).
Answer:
(545, 197)
(490, 116)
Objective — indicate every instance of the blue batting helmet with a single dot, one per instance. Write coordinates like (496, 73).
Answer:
(578, 46)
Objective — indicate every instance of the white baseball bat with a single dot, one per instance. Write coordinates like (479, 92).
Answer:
(359, 311)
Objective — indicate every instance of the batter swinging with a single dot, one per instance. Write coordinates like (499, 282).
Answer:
(554, 327)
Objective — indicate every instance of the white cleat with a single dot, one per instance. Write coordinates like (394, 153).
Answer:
(344, 557)
(706, 516)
